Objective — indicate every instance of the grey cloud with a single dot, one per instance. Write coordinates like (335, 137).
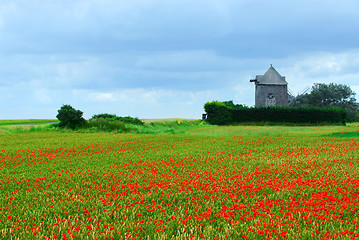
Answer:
(240, 28)
(59, 52)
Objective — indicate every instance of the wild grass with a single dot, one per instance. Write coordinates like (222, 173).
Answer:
(346, 134)
(187, 127)
(26, 121)
(274, 131)
(23, 128)
(163, 120)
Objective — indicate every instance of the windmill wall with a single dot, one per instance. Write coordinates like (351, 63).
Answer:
(271, 89)
(271, 95)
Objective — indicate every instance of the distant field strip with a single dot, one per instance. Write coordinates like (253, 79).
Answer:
(26, 121)
(273, 130)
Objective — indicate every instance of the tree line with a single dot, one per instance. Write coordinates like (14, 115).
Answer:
(326, 103)
(329, 95)
(72, 118)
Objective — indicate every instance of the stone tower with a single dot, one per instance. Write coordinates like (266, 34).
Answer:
(271, 89)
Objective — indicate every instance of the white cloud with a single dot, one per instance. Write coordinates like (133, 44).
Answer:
(101, 96)
(143, 103)
(355, 88)
(191, 60)
(6, 9)
(43, 96)
(322, 67)
(323, 63)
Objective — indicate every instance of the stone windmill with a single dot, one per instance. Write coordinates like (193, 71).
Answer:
(271, 89)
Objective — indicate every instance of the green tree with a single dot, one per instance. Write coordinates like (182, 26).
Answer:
(329, 95)
(70, 117)
(218, 112)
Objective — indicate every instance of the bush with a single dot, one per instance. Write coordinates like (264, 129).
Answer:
(218, 113)
(227, 113)
(101, 124)
(70, 117)
(113, 117)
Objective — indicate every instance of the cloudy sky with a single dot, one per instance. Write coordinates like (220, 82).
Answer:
(166, 58)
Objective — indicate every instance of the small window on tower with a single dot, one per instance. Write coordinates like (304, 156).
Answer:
(270, 95)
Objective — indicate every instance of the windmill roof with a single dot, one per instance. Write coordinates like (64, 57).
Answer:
(271, 77)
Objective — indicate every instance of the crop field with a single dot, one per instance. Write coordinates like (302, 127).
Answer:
(20, 125)
(57, 185)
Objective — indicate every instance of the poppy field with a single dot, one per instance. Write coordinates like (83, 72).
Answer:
(111, 186)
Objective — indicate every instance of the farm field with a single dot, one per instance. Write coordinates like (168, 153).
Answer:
(275, 131)
(207, 184)
(10, 126)
(26, 121)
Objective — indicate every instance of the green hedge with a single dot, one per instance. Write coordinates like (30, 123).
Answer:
(113, 117)
(223, 113)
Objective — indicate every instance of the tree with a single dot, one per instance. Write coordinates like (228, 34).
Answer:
(218, 112)
(70, 117)
(329, 95)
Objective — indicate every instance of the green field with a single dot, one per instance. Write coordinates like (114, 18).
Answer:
(196, 127)
(26, 121)
(22, 125)
(273, 130)
(239, 182)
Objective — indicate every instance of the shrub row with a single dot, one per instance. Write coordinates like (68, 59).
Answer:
(113, 117)
(223, 113)
(105, 125)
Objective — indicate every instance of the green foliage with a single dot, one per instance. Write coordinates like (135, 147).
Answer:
(170, 127)
(173, 126)
(104, 116)
(261, 129)
(193, 127)
(222, 113)
(345, 134)
(178, 123)
(102, 124)
(231, 105)
(329, 95)
(26, 121)
(218, 112)
(113, 117)
(323, 95)
(70, 117)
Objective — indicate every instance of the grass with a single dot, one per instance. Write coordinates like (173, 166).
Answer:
(23, 128)
(346, 134)
(72, 185)
(25, 125)
(275, 131)
(163, 120)
(191, 127)
(27, 121)
(179, 179)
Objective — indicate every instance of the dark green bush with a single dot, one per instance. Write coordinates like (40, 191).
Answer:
(70, 117)
(101, 124)
(104, 116)
(113, 117)
(218, 113)
(227, 113)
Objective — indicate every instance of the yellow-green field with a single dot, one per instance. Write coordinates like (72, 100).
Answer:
(274, 130)
(26, 121)
(242, 182)
(10, 126)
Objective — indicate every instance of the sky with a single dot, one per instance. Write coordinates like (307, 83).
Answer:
(167, 58)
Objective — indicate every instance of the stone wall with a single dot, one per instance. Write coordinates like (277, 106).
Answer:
(271, 95)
